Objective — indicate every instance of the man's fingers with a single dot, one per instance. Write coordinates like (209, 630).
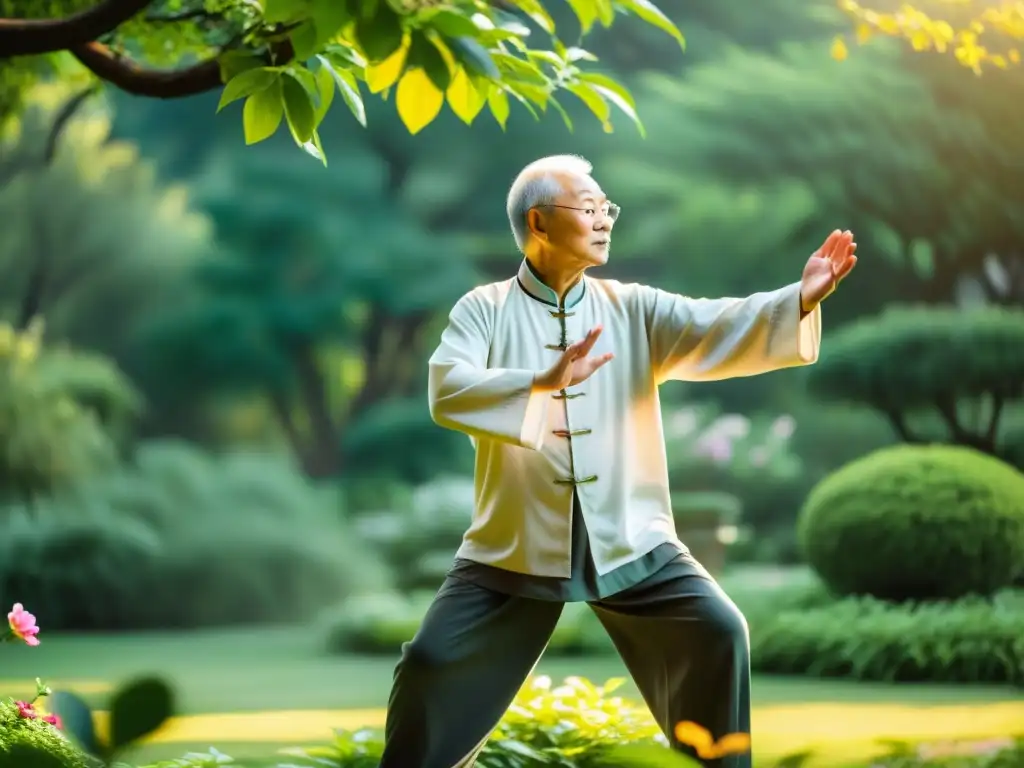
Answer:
(587, 342)
(844, 269)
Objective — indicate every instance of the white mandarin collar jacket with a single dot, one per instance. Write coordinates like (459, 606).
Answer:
(603, 438)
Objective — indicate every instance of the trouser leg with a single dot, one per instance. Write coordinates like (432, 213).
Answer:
(460, 673)
(687, 647)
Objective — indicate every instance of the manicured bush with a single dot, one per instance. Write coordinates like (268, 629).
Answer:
(182, 539)
(917, 522)
(970, 640)
(418, 533)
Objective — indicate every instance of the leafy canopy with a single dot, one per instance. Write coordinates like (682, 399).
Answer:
(977, 32)
(288, 60)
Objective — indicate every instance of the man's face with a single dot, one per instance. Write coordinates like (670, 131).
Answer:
(578, 225)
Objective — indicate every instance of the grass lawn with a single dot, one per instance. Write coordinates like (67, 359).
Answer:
(251, 691)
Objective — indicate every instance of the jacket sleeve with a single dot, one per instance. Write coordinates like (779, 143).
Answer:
(712, 339)
(484, 403)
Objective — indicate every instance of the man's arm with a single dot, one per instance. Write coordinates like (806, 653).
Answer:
(712, 339)
(484, 403)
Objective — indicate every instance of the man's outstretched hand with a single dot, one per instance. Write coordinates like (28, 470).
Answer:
(574, 366)
(826, 268)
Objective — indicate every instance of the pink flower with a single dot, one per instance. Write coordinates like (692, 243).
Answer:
(55, 721)
(23, 624)
(783, 427)
(718, 448)
(25, 710)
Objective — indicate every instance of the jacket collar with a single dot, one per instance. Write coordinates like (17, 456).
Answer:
(532, 284)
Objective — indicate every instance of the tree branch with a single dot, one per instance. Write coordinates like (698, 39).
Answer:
(899, 426)
(128, 76)
(27, 37)
(63, 117)
(992, 430)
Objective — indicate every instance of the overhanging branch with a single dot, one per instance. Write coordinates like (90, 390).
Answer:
(26, 37)
(128, 76)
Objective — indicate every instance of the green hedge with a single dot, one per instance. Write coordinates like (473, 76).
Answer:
(183, 539)
(380, 624)
(914, 522)
(971, 640)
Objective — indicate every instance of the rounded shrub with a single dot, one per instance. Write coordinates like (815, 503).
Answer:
(915, 523)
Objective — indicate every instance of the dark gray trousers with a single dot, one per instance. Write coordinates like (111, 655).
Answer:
(684, 642)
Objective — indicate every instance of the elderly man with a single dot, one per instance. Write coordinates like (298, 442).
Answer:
(554, 376)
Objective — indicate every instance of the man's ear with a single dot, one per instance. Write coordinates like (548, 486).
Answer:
(536, 224)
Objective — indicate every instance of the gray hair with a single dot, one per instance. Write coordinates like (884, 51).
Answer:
(536, 185)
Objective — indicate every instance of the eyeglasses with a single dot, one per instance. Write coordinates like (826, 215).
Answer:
(611, 210)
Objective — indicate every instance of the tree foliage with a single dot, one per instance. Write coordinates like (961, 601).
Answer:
(92, 240)
(52, 419)
(978, 33)
(921, 166)
(288, 61)
(318, 303)
(964, 367)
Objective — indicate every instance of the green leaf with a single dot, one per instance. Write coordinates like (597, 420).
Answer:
(304, 40)
(579, 54)
(282, 11)
(605, 12)
(380, 35)
(324, 78)
(474, 57)
(649, 12)
(314, 148)
(618, 96)
(498, 103)
(519, 69)
(452, 24)
(298, 109)
(514, 93)
(538, 96)
(536, 11)
(425, 55)
(548, 57)
(418, 100)
(78, 723)
(262, 114)
(586, 11)
(561, 110)
(329, 17)
(233, 63)
(349, 88)
(464, 98)
(608, 84)
(245, 84)
(595, 102)
(138, 709)
(344, 55)
(306, 79)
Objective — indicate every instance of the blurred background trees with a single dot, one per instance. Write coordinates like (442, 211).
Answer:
(212, 367)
